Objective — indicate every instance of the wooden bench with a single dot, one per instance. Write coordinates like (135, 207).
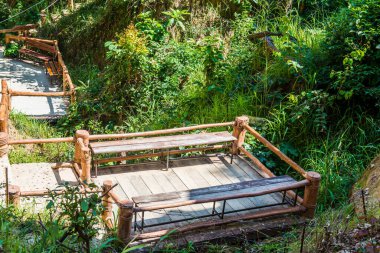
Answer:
(157, 143)
(213, 195)
(53, 69)
(29, 51)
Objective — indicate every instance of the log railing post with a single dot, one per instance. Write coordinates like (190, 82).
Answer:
(14, 195)
(125, 221)
(82, 155)
(107, 203)
(311, 193)
(239, 133)
(70, 3)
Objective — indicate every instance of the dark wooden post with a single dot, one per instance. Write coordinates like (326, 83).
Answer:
(14, 195)
(311, 193)
(82, 156)
(125, 221)
(239, 133)
(107, 203)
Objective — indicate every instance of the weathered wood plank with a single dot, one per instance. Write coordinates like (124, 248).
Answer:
(225, 176)
(162, 143)
(246, 167)
(199, 193)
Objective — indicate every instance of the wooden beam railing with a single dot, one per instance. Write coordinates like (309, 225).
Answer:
(21, 29)
(68, 88)
(275, 150)
(82, 165)
(4, 107)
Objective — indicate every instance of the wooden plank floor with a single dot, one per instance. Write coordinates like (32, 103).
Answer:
(185, 174)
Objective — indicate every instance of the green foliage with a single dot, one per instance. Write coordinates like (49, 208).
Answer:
(11, 50)
(79, 215)
(18, 12)
(24, 127)
(353, 43)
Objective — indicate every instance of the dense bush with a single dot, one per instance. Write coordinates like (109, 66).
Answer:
(353, 44)
(11, 50)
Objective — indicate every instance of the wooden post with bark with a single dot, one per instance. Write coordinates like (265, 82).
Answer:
(14, 195)
(82, 154)
(311, 193)
(239, 133)
(125, 221)
(70, 4)
(107, 203)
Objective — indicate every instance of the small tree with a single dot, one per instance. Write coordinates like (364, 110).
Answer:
(175, 22)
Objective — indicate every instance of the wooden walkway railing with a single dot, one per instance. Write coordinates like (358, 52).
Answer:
(82, 165)
(68, 88)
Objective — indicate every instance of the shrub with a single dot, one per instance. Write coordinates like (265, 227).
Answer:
(353, 39)
(11, 50)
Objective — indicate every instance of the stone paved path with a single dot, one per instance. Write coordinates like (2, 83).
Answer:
(26, 76)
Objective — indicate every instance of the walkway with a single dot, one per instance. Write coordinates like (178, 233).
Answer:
(26, 76)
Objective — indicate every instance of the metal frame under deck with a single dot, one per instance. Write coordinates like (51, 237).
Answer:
(285, 200)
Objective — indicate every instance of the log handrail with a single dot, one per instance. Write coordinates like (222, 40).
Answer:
(293, 186)
(207, 224)
(158, 132)
(275, 150)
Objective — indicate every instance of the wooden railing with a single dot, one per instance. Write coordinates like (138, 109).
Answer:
(68, 88)
(82, 165)
(4, 107)
(20, 29)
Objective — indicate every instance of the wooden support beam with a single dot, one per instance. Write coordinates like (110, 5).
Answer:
(159, 132)
(311, 193)
(82, 154)
(41, 141)
(275, 150)
(239, 133)
(125, 221)
(107, 203)
(157, 154)
(292, 186)
(40, 94)
(225, 221)
(14, 195)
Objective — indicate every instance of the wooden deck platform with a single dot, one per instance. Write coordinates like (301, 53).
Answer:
(186, 174)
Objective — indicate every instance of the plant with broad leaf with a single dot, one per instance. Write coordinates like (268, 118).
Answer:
(79, 214)
(175, 21)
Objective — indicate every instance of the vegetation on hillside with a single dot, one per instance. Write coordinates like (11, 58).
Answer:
(312, 87)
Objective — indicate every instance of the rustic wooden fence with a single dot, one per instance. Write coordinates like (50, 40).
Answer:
(82, 165)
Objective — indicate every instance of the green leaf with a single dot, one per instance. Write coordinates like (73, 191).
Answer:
(50, 204)
(133, 248)
(84, 205)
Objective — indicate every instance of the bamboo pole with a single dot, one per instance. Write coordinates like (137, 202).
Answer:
(158, 132)
(212, 223)
(125, 221)
(239, 133)
(311, 193)
(275, 150)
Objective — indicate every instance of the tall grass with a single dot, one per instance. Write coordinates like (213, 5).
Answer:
(24, 127)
